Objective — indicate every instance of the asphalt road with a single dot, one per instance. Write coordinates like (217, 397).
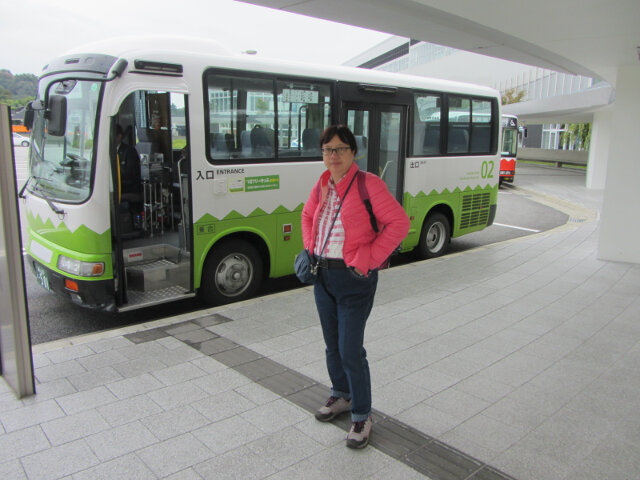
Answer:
(52, 317)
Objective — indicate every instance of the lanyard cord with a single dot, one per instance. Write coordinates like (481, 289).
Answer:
(326, 240)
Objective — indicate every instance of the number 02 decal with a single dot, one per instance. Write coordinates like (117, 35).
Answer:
(487, 169)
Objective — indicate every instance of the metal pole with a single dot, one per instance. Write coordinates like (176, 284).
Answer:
(15, 342)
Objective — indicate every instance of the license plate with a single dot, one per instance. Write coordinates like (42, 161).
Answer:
(42, 277)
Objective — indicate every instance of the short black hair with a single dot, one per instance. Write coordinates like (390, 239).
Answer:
(343, 133)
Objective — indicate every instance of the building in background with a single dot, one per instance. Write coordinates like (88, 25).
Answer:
(538, 85)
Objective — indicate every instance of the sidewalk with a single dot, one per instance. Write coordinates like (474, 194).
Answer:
(514, 360)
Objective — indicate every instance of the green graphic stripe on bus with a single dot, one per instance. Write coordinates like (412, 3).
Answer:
(478, 188)
(258, 212)
(471, 209)
(58, 250)
(265, 230)
(82, 240)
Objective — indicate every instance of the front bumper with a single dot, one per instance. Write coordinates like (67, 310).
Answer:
(97, 294)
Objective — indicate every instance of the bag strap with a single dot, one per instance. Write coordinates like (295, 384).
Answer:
(335, 217)
(364, 195)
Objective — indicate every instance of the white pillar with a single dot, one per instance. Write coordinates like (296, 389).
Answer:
(620, 222)
(599, 149)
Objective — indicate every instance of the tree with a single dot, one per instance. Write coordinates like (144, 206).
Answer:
(262, 105)
(576, 134)
(17, 90)
(513, 95)
(5, 95)
(177, 111)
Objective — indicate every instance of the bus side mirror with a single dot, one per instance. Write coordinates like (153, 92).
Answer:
(29, 113)
(57, 115)
(28, 117)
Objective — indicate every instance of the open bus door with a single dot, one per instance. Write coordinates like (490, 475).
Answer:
(151, 210)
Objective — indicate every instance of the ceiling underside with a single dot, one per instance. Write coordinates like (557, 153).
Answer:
(586, 37)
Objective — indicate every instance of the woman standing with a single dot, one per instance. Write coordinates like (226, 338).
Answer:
(337, 230)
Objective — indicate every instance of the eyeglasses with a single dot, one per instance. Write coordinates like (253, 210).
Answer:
(326, 151)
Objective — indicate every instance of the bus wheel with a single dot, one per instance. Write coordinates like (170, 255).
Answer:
(232, 272)
(435, 236)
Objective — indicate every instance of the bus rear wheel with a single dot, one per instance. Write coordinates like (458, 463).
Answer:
(232, 272)
(435, 236)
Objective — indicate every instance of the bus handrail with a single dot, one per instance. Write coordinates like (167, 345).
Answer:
(184, 227)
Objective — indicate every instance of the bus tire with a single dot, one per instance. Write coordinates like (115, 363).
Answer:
(231, 272)
(435, 236)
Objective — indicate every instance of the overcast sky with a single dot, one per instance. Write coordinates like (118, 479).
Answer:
(32, 32)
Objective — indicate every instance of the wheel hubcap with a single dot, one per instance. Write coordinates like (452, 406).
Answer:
(234, 274)
(435, 237)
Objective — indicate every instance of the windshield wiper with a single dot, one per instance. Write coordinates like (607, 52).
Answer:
(55, 209)
(26, 184)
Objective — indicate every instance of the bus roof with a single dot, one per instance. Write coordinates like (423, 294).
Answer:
(197, 54)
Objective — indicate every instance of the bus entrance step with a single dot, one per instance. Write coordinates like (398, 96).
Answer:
(157, 275)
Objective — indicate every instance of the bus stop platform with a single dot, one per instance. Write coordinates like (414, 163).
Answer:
(518, 360)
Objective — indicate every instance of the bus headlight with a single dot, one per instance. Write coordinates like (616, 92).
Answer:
(82, 269)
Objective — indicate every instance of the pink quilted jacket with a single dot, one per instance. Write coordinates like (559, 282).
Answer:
(363, 248)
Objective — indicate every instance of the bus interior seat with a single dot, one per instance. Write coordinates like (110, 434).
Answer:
(458, 140)
(127, 135)
(261, 142)
(431, 142)
(311, 140)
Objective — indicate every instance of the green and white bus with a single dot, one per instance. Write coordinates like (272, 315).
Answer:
(229, 149)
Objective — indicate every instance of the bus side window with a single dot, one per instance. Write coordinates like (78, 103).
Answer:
(220, 145)
(426, 130)
(431, 144)
(311, 141)
(459, 124)
(458, 140)
(480, 126)
(480, 138)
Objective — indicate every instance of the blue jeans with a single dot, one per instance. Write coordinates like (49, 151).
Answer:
(344, 302)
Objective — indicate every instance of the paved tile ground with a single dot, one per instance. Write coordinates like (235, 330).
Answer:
(523, 356)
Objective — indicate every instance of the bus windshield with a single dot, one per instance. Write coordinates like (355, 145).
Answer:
(62, 166)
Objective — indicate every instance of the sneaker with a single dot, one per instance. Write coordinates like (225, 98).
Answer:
(334, 407)
(359, 434)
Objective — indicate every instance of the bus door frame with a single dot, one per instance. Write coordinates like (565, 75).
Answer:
(375, 120)
(120, 291)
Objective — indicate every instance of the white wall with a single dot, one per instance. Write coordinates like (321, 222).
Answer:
(599, 149)
(620, 223)
(470, 67)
